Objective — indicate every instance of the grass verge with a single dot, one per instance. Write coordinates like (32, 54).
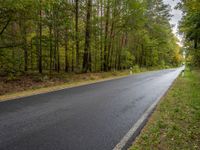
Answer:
(12, 87)
(175, 124)
(24, 86)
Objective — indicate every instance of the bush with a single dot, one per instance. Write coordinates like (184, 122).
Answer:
(11, 77)
(136, 69)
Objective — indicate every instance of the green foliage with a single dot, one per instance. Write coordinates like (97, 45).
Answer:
(42, 35)
(190, 27)
(136, 69)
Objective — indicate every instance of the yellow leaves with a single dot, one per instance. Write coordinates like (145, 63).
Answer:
(193, 5)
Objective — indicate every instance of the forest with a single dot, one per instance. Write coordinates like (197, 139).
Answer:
(190, 28)
(80, 36)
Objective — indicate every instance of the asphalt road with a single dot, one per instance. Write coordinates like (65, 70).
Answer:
(90, 117)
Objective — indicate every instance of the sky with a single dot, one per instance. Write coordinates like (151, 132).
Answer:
(177, 15)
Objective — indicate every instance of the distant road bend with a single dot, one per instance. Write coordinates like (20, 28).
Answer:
(90, 117)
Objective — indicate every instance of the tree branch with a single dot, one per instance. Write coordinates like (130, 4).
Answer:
(6, 25)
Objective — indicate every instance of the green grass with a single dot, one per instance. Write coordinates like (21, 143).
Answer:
(175, 124)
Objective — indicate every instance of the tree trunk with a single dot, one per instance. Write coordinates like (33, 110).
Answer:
(101, 36)
(57, 50)
(196, 41)
(87, 53)
(120, 51)
(106, 35)
(40, 39)
(50, 47)
(66, 52)
(25, 52)
(77, 34)
(110, 45)
(24, 38)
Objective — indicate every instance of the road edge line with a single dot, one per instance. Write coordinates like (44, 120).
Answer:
(135, 130)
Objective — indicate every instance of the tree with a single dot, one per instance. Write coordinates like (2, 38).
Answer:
(87, 36)
(190, 27)
(87, 52)
(77, 33)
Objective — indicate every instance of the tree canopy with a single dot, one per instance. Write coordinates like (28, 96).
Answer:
(89, 35)
(190, 27)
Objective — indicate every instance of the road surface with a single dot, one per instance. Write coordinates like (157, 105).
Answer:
(89, 117)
